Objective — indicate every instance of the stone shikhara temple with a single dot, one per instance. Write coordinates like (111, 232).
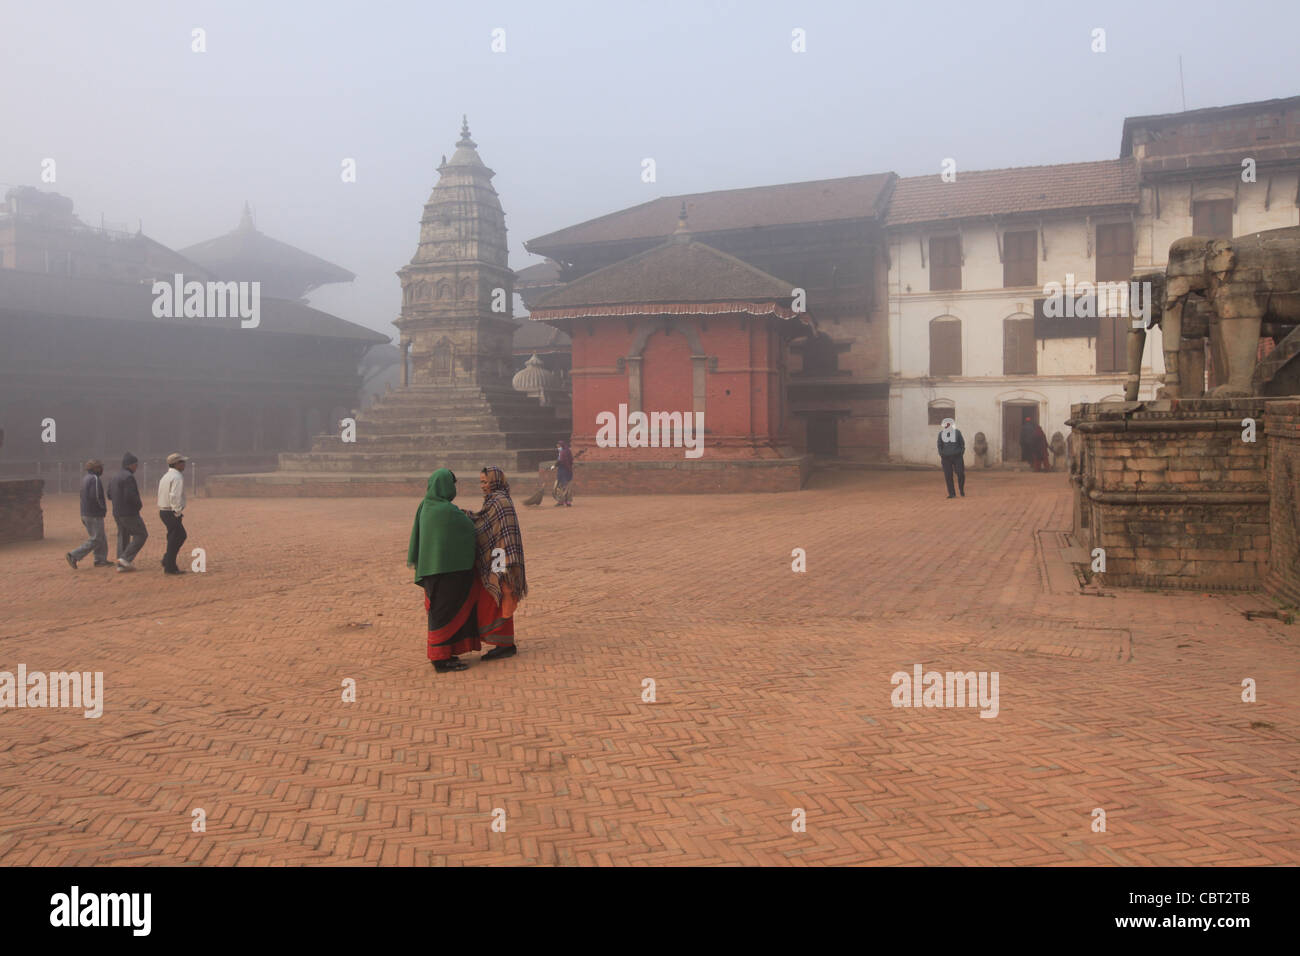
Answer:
(456, 407)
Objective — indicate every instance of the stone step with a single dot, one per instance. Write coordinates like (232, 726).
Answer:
(486, 441)
(519, 459)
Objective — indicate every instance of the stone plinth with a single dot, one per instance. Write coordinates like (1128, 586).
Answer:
(684, 476)
(1282, 417)
(21, 518)
(1172, 493)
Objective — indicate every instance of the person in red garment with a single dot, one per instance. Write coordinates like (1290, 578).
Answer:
(500, 564)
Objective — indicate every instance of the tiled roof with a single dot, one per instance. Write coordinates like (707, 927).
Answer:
(678, 271)
(851, 197)
(539, 337)
(39, 293)
(1108, 182)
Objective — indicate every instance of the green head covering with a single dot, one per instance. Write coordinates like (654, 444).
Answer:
(442, 538)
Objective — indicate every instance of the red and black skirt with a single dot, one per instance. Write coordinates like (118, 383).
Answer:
(451, 601)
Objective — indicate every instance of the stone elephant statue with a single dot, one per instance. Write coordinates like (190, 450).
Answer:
(1194, 331)
(1250, 286)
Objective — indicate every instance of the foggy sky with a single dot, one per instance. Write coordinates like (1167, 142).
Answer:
(142, 128)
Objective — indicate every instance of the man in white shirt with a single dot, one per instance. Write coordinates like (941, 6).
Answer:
(171, 504)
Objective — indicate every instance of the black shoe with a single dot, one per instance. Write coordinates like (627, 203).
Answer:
(172, 571)
(963, 494)
(443, 667)
(952, 496)
(499, 652)
(102, 564)
(71, 560)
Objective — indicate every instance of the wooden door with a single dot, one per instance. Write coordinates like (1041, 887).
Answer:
(1013, 416)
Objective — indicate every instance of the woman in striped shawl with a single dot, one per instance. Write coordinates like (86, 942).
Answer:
(500, 564)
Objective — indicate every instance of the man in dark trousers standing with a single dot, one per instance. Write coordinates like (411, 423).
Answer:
(951, 449)
(171, 502)
(125, 495)
(93, 511)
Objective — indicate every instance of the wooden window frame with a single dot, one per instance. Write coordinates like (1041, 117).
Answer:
(945, 276)
(1021, 267)
(956, 357)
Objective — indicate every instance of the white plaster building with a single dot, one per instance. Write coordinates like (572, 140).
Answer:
(969, 259)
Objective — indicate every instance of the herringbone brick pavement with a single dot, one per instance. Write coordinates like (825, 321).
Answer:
(223, 692)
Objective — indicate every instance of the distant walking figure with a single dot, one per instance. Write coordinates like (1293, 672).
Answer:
(952, 448)
(500, 564)
(125, 495)
(171, 504)
(563, 474)
(442, 551)
(93, 511)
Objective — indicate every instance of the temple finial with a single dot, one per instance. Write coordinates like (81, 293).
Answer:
(464, 132)
(246, 220)
(681, 229)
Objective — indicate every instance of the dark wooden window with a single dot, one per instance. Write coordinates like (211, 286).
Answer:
(1213, 218)
(1114, 252)
(945, 347)
(1112, 353)
(823, 434)
(1019, 259)
(1019, 347)
(820, 356)
(945, 263)
(939, 412)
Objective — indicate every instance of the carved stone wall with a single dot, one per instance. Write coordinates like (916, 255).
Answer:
(1282, 424)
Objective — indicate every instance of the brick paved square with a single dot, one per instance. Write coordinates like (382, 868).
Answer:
(223, 693)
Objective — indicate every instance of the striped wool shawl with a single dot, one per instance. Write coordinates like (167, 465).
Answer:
(497, 526)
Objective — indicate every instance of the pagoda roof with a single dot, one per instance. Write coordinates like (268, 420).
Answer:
(681, 276)
(247, 254)
(72, 297)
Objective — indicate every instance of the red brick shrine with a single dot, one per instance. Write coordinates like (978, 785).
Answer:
(681, 334)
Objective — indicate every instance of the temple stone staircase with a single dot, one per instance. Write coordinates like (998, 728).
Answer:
(408, 434)
(1278, 373)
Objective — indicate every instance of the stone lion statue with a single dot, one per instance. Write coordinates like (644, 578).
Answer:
(1059, 450)
(981, 449)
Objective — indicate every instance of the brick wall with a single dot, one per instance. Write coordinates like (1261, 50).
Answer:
(21, 518)
(1282, 418)
(1173, 494)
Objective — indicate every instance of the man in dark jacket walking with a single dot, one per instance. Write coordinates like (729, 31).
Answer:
(93, 510)
(952, 448)
(125, 495)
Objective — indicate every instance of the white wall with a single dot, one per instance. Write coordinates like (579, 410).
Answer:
(1066, 367)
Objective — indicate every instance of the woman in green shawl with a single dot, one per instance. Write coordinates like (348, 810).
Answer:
(442, 552)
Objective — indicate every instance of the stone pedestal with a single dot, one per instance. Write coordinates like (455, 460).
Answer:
(21, 518)
(1172, 492)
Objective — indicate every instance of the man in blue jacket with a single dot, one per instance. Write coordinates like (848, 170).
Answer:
(93, 512)
(951, 449)
(125, 495)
